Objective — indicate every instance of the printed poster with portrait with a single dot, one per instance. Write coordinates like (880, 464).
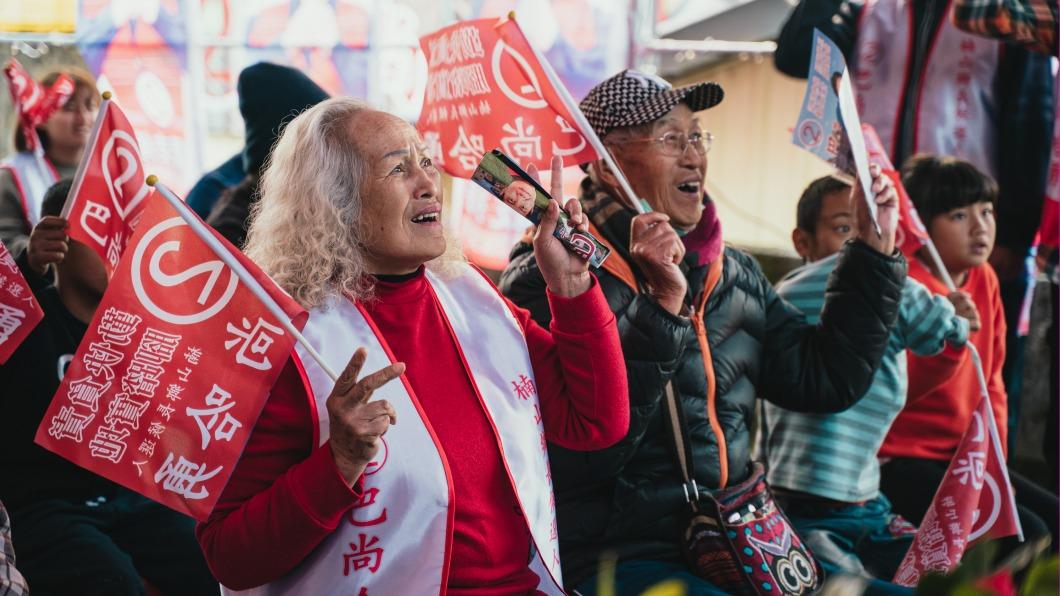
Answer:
(138, 52)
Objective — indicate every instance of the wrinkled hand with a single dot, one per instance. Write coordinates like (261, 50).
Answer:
(48, 244)
(566, 273)
(965, 307)
(886, 198)
(356, 423)
(657, 250)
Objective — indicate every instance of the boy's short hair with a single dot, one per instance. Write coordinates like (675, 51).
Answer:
(55, 197)
(809, 208)
(937, 184)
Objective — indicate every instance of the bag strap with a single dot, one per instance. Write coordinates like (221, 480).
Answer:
(684, 455)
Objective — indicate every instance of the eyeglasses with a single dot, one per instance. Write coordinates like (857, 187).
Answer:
(674, 144)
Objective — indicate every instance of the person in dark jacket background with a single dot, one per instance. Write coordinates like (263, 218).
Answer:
(629, 498)
(270, 95)
(952, 93)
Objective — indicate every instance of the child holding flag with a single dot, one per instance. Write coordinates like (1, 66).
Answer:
(956, 202)
(823, 466)
(76, 532)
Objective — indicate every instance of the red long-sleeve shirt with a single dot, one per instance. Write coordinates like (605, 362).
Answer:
(943, 389)
(285, 491)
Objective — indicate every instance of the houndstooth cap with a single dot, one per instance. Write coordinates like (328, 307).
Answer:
(631, 98)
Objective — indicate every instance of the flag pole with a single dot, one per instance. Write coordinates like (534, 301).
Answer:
(241, 272)
(82, 166)
(579, 119)
(995, 438)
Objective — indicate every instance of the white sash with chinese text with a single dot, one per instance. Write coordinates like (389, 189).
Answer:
(956, 105)
(33, 176)
(398, 539)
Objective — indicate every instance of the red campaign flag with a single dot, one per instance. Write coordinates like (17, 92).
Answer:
(486, 90)
(19, 310)
(911, 234)
(109, 190)
(974, 501)
(174, 370)
(33, 103)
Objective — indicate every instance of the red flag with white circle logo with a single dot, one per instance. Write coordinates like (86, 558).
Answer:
(486, 90)
(109, 190)
(174, 370)
(19, 310)
(974, 501)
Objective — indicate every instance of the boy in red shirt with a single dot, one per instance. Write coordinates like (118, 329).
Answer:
(956, 202)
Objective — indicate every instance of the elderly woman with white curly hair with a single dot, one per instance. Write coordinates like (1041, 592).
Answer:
(456, 497)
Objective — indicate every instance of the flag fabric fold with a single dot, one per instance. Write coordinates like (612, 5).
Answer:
(487, 90)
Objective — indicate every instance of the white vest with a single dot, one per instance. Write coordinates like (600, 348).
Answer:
(955, 108)
(33, 176)
(399, 539)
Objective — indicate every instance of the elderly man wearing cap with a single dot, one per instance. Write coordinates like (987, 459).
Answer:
(701, 328)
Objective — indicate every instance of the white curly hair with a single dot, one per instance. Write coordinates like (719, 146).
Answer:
(305, 229)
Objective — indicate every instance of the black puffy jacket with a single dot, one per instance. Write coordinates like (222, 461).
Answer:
(629, 498)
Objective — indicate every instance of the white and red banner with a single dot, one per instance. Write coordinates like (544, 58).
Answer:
(33, 103)
(911, 234)
(109, 190)
(174, 370)
(974, 501)
(19, 310)
(487, 90)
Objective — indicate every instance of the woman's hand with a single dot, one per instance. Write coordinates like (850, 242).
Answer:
(48, 244)
(566, 273)
(356, 423)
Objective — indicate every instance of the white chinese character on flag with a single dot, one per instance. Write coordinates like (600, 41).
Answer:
(208, 418)
(521, 142)
(183, 476)
(11, 319)
(256, 341)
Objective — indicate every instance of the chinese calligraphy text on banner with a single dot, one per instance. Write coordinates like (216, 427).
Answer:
(484, 91)
(173, 372)
(974, 501)
(109, 192)
(19, 310)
